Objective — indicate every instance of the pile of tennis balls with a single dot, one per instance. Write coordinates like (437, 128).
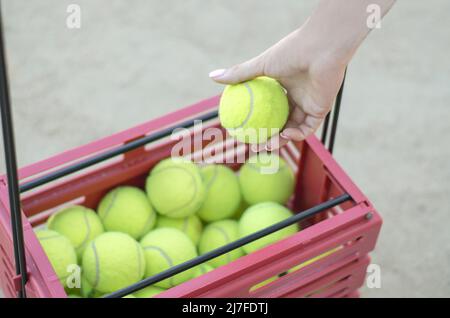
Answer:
(184, 211)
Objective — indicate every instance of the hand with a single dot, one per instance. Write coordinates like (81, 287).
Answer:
(311, 81)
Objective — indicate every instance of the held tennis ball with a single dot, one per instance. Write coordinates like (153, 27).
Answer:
(260, 216)
(166, 247)
(79, 224)
(202, 269)
(175, 188)
(191, 226)
(128, 210)
(59, 251)
(223, 194)
(113, 261)
(216, 235)
(266, 177)
(255, 110)
(148, 292)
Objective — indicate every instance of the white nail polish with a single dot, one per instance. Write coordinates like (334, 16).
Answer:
(217, 73)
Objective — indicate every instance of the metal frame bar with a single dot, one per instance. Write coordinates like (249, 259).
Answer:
(229, 247)
(335, 111)
(11, 169)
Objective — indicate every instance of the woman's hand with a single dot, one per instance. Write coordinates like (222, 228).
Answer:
(309, 63)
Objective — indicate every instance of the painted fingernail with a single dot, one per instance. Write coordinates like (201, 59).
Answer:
(282, 135)
(217, 73)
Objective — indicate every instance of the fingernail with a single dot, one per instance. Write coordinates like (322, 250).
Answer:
(282, 135)
(268, 148)
(217, 73)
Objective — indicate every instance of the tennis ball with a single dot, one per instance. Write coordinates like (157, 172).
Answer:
(128, 210)
(202, 269)
(113, 261)
(148, 292)
(260, 216)
(175, 188)
(191, 226)
(79, 224)
(73, 296)
(59, 251)
(166, 247)
(255, 110)
(266, 177)
(240, 210)
(223, 195)
(314, 259)
(87, 291)
(216, 235)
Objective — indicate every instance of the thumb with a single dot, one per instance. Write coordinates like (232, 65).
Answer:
(240, 72)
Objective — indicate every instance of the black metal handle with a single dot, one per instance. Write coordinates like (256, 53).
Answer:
(335, 113)
(11, 169)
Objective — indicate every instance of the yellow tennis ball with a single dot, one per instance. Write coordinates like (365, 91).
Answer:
(59, 251)
(240, 210)
(314, 259)
(202, 269)
(73, 296)
(255, 110)
(79, 224)
(148, 292)
(266, 177)
(190, 225)
(112, 261)
(164, 248)
(218, 234)
(263, 215)
(87, 291)
(128, 210)
(223, 194)
(264, 283)
(175, 188)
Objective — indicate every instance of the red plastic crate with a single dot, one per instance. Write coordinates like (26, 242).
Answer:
(353, 226)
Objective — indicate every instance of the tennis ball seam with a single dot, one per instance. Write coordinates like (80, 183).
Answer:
(111, 203)
(139, 255)
(149, 220)
(88, 232)
(227, 239)
(254, 167)
(252, 106)
(194, 195)
(213, 178)
(97, 267)
(165, 256)
(185, 226)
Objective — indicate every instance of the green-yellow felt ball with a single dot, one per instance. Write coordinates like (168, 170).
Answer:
(127, 209)
(148, 292)
(164, 248)
(202, 269)
(216, 235)
(266, 177)
(112, 261)
(263, 215)
(255, 110)
(223, 194)
(79, 224)
(240, 210)
(175, 188)
(60, 252)
(87, 291)
(73, 296)
(191, 226)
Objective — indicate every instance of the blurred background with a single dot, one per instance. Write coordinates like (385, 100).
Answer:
(136, 60)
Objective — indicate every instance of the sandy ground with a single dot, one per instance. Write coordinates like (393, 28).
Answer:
(132, 61)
